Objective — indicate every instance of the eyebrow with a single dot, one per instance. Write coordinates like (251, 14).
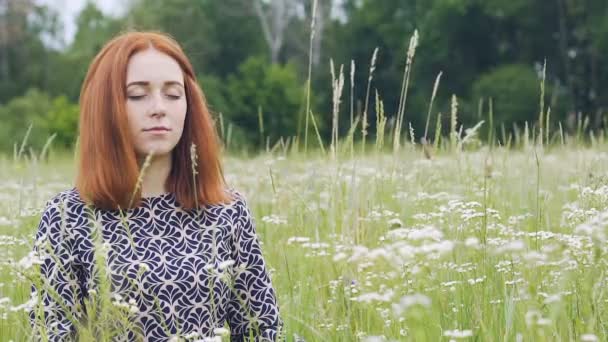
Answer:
(146, 83)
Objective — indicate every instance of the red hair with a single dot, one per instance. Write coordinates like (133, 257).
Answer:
(108, 169)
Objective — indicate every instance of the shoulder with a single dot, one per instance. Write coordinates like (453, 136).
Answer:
(66, 205)
(237, 197)
(66, 218)
(67, 199)
(239, 204)
(64, 225)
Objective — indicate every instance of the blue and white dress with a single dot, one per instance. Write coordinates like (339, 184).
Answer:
(162, 262)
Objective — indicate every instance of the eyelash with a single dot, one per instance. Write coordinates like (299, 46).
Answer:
(139, 97)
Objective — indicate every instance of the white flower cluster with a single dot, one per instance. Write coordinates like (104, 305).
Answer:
(130, 306)
(274, 219)
(411, 300)
(458, 334)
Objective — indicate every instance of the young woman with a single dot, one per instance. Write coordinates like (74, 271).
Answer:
(180, 246)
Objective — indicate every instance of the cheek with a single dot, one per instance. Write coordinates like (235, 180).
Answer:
(133, 115)
(180, 115)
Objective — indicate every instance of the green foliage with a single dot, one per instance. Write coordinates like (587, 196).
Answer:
(215, 93)
(514, 90)
(201, 27)
(17, 115)
(469, 41)
(24, 58)
(46, 115)
(274, 89)
(62, 120)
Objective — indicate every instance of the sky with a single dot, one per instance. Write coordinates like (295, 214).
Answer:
(69, 9)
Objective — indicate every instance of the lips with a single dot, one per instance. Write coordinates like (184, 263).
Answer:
(157, 129)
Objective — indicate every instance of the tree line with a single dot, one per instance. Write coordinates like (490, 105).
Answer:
(255, 59)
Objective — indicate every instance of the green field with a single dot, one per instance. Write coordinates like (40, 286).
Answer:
(395, 246)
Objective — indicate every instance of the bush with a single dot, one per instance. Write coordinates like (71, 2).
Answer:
(46, 115)
(62, 119)
(17, 115)
(274, 89)
(515, 93)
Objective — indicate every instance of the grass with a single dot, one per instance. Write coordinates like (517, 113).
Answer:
(392, 245)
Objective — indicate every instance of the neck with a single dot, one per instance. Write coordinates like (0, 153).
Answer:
(155, 176)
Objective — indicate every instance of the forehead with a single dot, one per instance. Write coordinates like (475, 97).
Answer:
(153, 66)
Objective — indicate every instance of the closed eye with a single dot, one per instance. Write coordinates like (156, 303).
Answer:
(174, 97)
(136, 97)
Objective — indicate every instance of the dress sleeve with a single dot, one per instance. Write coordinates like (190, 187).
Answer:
(252, 309)
(57, 289)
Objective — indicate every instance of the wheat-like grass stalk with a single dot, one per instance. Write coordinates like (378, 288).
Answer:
(352, 90)
(23, 142)
(411, 51)
(314, 125)
(140, 176)
(222, 131)
(312, 36)
(547, 125)
(380, 122)
(428, 115)
(337, 87)
(542, 102)
(261, 125)
(436, 142)
(194, 164)
(349, 140)
(491, 123)
(370, 77)
(412, 136)
(46, 146)
(469, 134)
(454, 122)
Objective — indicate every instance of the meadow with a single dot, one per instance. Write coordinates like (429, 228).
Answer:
(485, 243)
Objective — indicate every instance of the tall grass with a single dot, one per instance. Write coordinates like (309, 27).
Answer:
(402, 247)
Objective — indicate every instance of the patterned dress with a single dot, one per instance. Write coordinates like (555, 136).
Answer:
(162, 262)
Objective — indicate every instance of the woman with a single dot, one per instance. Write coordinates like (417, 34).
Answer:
(180, 246)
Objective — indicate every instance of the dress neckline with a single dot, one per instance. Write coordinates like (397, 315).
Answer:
(149, 198)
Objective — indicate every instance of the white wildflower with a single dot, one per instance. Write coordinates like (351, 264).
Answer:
(297, 239)
(29, 260)
(410, 300)
(509, 247)
(458, 333)
(340, 256)
(374, 296)
(589, 338)
(225, 264)
(274, 219)
(191, 335)
(221, 331)
(472, 242)
(374, 339)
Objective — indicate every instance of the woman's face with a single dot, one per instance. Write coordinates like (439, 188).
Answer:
(156, 102)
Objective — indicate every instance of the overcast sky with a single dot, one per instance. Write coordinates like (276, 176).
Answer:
(69, 9)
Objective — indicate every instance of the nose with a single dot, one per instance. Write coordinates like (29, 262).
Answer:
(157, 106)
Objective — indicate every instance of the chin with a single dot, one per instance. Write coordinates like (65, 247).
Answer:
(158, 150)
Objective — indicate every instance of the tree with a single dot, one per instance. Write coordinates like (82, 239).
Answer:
(24, 58)
(202, 28)
(273, 89)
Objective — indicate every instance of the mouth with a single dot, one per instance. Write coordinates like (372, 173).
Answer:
(157, 129)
